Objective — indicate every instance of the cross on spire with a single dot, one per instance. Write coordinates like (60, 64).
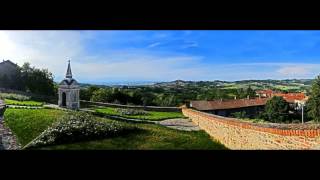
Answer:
(69, 73)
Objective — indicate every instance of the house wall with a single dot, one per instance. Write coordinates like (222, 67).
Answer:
(7, 68)
(237, 134)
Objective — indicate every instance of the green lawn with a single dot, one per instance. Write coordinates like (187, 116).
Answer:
(28, 124)
(153, 115)
(22, 103)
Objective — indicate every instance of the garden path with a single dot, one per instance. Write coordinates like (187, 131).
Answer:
(7, 140)
(180, 124)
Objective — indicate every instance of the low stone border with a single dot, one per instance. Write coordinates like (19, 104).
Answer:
(8, 141)
(180, 124)
(24, 107)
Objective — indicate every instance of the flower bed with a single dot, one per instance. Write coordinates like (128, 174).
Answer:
(131, 112)
(78, 126)
(13, 96)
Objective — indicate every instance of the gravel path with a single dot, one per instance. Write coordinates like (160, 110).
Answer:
(7, 140)
(180, 124)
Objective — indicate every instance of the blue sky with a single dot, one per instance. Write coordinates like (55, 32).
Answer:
(107, 56)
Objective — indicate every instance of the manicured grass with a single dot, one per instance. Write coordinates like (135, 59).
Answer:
(153, 115)
(22, 103)
(28, 124)
(153, 137)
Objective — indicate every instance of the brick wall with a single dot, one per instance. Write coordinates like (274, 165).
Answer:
(237, 134)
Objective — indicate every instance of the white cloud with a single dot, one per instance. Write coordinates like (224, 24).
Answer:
(294, 70)
(44, 49)
(52, 49)
(190, 45)
(154, 45)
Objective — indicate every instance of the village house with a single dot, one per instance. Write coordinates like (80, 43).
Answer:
(7, 68)
(265, 93)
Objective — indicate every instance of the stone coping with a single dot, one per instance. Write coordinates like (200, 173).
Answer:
(133, 106)
(309, 130)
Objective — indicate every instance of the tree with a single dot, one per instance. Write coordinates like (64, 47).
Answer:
(250, 92)
(136, 97)
(239, 115)
(86, 94)
(147, 99)
(38, 81)
(101, 95)
(120, 96)
(313, 104)
(276, 109)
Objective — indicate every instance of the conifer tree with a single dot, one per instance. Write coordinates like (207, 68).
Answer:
(313, 104)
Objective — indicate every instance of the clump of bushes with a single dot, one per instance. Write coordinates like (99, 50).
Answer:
(13, 96)
(79, 126)
(131, 112)
(276, 110)
(239, 115)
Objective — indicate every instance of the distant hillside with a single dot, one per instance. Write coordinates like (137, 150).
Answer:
(255, 84)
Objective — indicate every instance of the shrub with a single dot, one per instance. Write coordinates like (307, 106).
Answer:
(79, 126)
(239, 115)
(13, 96)
(131, 112)
(276, 110)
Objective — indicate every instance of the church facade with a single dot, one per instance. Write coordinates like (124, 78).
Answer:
(69, 92)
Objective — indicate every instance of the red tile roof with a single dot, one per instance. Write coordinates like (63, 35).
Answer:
(227, 104)
(291, 97)
(265, 92)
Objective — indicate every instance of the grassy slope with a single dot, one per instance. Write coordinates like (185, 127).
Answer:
(154, 137)
(152, 116)
(27, 124)
(24, 103)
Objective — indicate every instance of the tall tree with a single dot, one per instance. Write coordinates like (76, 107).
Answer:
(276, 109)
(313, 104)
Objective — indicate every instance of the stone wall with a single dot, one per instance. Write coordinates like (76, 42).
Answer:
(147, 108)
(2, 108)
(238, 134)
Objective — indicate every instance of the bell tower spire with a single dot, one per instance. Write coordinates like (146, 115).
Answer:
(69, 73)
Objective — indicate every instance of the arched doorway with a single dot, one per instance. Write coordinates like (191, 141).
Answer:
(64, 99)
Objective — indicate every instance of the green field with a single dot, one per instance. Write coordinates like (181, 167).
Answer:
(22, 103)
(286, 88)
(153, 115)
(28, 124)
